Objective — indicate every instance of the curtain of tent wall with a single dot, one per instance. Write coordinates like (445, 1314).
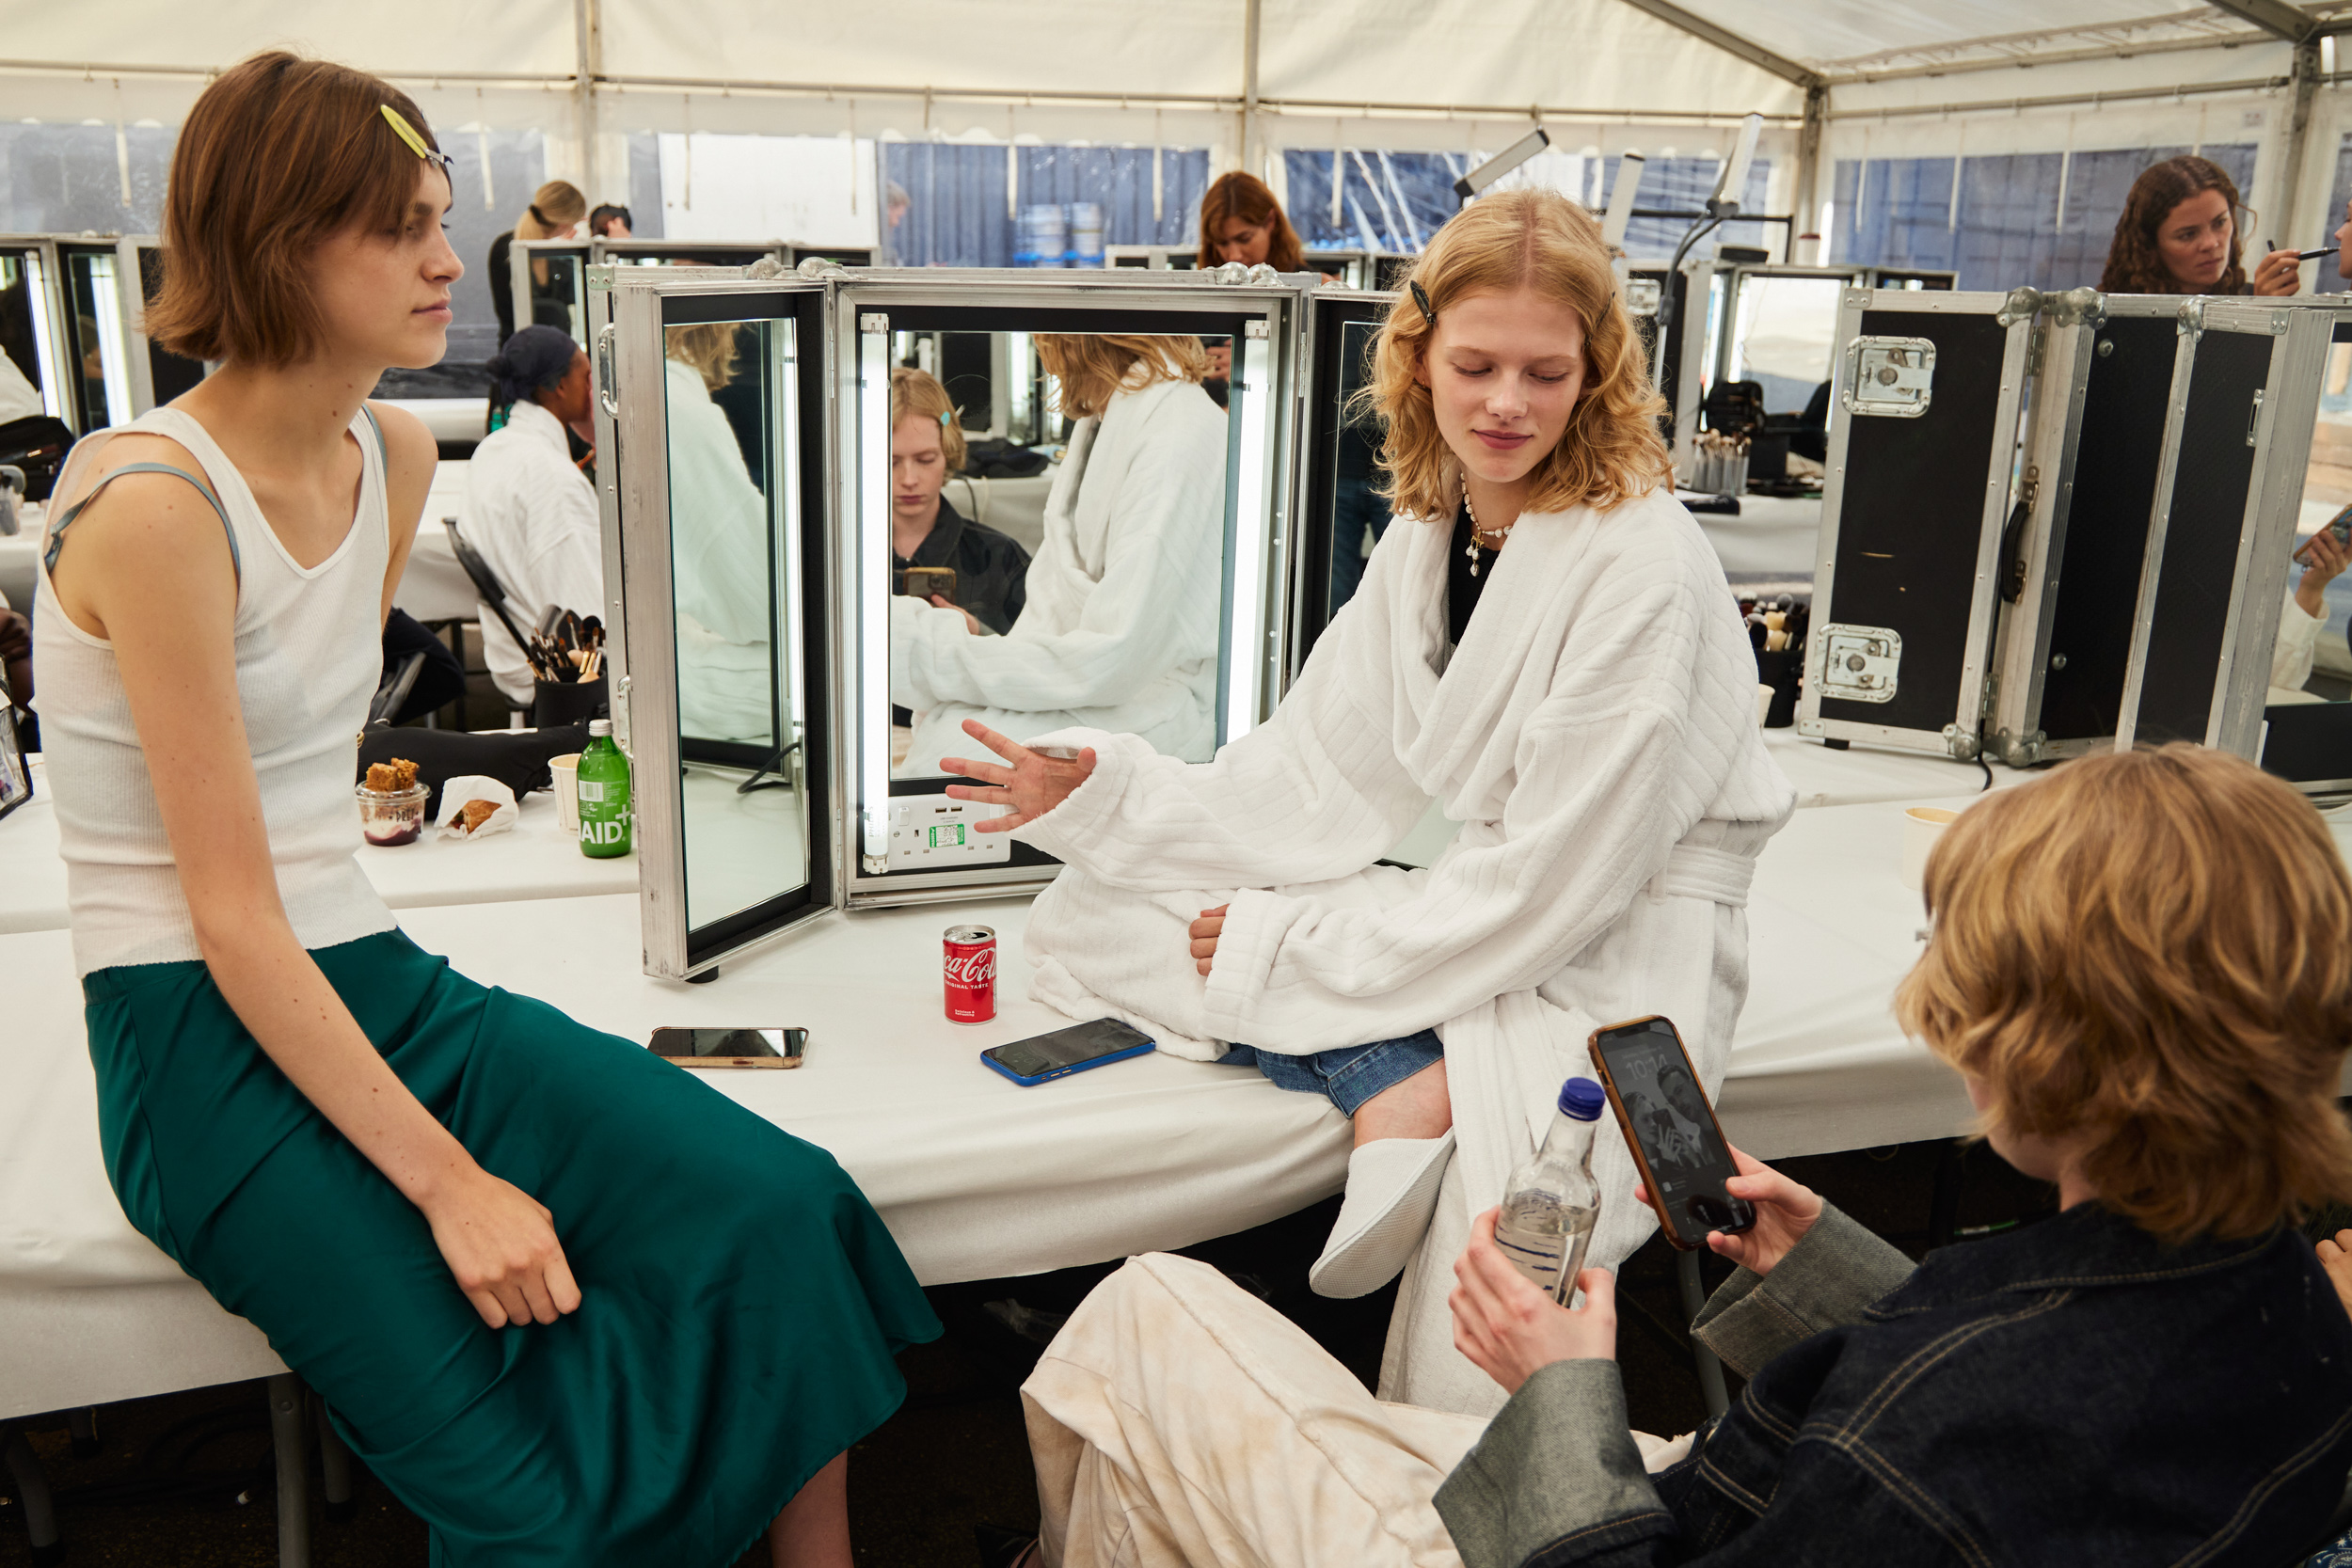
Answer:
(728, 118)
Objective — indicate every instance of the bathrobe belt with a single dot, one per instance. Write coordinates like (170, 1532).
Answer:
(1718, 876)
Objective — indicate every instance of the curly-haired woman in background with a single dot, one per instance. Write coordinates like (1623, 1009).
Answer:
(2179, 234)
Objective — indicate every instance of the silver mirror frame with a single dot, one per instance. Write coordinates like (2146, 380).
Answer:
(1258, 527)
(633, 485)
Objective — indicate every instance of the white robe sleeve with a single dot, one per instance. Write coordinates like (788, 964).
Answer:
(1613, 769)
(1154, 604)
(1316, 791)
(2291, 656)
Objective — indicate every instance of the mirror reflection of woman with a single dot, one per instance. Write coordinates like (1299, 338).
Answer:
(2178, 234)
(1543, 643)
(1119, 623)
(718, 548)
(480, 1230)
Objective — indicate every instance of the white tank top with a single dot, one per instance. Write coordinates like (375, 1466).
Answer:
(310, 656)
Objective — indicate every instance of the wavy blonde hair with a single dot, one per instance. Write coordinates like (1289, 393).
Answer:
(1506, 241)
(2151, 951)
(707, 347)
(1093, 367)
(919, 393)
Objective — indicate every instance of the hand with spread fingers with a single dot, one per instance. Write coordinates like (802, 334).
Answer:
(1032, 785)
(1510, 1328)
(1784, 1212)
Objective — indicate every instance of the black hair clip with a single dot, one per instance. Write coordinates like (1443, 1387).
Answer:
(1421, 297)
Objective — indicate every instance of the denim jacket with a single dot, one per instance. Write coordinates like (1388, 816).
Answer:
(2071, 1393)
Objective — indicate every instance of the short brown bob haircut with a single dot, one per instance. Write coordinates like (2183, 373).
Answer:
(1507, 239)
(2151, 950)
(279, 153)
(1093, 367)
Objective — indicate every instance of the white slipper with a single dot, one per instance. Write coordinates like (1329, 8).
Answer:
(1391, 1192)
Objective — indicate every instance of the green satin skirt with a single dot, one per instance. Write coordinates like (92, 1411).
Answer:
(742, 1303)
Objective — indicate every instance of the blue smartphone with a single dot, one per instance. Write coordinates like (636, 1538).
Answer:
(1042, 1057)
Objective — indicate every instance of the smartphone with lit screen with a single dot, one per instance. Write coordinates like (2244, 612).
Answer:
(1677, 1141)
(717, 1048)
(1042, 1058)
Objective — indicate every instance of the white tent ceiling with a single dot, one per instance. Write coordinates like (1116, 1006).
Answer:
(1249, 75)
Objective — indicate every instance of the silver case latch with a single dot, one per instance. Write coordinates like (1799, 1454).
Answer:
(1859, 663)
(1892, 378)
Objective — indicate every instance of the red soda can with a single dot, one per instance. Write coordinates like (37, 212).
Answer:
(971, 974)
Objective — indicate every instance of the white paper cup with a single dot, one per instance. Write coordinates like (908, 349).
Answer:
(1922, 827)
(566, 772)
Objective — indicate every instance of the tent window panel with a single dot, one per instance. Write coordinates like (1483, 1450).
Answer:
(956, 201)
(2003, 233)
(1408, 197)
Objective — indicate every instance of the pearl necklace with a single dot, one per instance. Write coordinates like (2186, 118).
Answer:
(1501, 534)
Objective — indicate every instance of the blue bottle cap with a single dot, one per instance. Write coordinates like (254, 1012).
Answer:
(1582, 1099)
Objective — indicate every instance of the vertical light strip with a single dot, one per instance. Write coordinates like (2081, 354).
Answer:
(873, 580)
(44, 342)
(1020, 374)
(114, 363)
(1250, 544)
(793, 633)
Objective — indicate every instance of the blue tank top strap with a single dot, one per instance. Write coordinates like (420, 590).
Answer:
(383, 455)
(56, 534)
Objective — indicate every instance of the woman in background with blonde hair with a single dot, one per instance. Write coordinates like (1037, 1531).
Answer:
(1552, 654)
(1119, 621)
(554, 214)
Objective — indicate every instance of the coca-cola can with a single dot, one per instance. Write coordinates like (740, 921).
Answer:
(971, 974)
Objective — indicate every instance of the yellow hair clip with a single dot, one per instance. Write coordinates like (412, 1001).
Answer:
(409, 134)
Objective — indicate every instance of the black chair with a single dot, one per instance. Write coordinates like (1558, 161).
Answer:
(493, 593)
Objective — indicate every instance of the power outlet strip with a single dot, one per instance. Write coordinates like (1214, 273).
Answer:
(931, 831)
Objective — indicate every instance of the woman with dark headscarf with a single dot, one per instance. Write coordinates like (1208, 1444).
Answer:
(2179, 234)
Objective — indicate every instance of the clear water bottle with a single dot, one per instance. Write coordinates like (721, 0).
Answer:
(604, 805)
(1553, 1201)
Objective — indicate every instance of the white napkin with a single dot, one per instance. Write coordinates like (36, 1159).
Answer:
(473, 786)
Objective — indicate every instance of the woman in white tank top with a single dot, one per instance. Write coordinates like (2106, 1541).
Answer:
(469, 1221)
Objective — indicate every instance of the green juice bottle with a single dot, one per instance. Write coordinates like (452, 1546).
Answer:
(604, 808)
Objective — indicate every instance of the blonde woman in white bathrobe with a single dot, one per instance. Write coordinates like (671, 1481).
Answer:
(1120, 626)
(1592, 726)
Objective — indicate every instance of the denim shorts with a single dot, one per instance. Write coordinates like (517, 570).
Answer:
(1349, 1075)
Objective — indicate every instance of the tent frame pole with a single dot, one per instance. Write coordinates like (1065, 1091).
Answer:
(587, 34)
(1253, 134)
(1808, 184)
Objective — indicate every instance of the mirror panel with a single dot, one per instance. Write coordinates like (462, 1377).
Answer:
(729, 390)
(157, 374)
(1089, 557)
(32, 381)
(96, 344)
(1785, 339)
(711, 476)
(1340, 514)
(548, 281)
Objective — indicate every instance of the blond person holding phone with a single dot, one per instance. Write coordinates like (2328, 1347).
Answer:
(467, 1221)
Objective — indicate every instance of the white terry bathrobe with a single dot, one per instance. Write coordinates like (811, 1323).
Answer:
(1594, 735)
(1120, 630)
